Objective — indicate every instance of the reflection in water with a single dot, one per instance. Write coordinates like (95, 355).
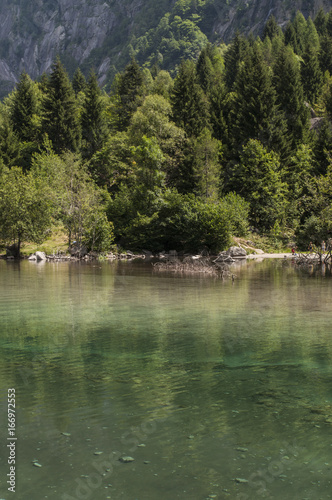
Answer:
(213, 388)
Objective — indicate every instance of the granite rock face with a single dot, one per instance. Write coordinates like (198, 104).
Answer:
(95, 32)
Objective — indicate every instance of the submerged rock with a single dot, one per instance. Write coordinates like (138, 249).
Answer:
(126, 460)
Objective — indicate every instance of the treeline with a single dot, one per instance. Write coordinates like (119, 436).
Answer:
(240, 138)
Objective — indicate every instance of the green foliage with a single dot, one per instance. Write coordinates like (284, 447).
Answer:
(25, 208)
(25, 110)
(175, 221)
(190, 105)
(93, 119)
(207, 155)
(75, 199)
(259, 182)
(237, 210)
(129, 92)
(60, 120)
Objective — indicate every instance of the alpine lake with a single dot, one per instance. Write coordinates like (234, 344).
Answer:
(132, 384)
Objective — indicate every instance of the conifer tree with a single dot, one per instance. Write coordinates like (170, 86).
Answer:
(205, 70)
(291, 38)
(25, 109)
(255, 112)
(311, 74)
(311, 37)
(94, 125)
(129, 93)
(259, 182)
(287, 82)
(190, 105)
(271, 29)
(61, 121)
(320, 22)
(79, 81)
(322, 148)
(325, 53)
(236, 52)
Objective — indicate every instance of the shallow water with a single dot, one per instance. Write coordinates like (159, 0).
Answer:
(227, 385)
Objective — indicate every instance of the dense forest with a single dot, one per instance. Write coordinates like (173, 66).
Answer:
(239, 140)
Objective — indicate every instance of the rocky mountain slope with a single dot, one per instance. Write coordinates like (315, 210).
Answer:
(106, 33)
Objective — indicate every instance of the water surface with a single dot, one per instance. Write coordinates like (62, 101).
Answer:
(215, 389)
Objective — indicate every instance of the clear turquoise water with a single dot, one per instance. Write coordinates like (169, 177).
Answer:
(220, 381)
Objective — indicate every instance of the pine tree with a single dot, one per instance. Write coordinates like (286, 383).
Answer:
(205, 70)
(311, 37)
(255, 111)
(311, 75)
(25, 109)
(323, 148)
(271, 29)
(129, 93)
(259, 182)
(93, 120)
(61, 121)
(287, 82)
(325, 53)
(320, 22)
(235, 54)
(329, 23)
(291, 38)
(79, 81)
(190, 105)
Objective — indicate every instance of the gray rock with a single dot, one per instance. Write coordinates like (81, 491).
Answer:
(126, 460)
(32, 257)
(236, 252)
(147, 253)
(40, 256)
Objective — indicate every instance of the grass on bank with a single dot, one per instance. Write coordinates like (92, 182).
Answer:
(57, 241)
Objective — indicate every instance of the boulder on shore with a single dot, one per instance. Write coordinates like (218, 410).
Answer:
(40, 256)
(231, 254)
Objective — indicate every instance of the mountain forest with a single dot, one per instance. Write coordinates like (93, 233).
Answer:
(239, 141)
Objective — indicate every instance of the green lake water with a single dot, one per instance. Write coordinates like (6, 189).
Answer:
(216, 389)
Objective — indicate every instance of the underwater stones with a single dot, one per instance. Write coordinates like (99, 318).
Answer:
(126, 460)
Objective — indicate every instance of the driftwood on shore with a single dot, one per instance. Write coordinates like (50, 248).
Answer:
(317, 256)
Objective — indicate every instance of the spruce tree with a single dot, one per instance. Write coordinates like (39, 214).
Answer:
(271, 29)
(205, 70)
(325, 53)
(287, 82)
(255, 111)
(322, 148)
(189, 103)
(312, 77)
(93, 120)
(61, 121)
(234, 55)
(25, 109)
(79, 81)
(320, 22)
(129, 93)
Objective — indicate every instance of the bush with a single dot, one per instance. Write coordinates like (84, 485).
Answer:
(175, 222)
